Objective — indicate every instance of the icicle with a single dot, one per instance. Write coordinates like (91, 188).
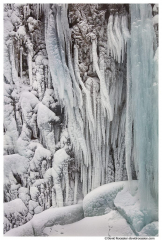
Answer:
(89, 178)
(24, 10)
(84, 180)
(94, 102)
(58, 67)
(65, 171)
(113, 43)
(87, 93)
(76, 188)
(27, 10)
(124, 25)
(53, 197)
(21, 52)
(80, 100)
(12, 59)
(120, 39)
(104, 94)
(37, 11)
(128, 134)
(30, 54)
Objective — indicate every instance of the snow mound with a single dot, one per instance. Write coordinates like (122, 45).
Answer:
(23, 190)
(62, 216)
(45, 115)
(24, 230)
(15, 165)
(6, 224)
(40, 154)
(128, 206)
(34, 192)
(112, 224)
(28, 101)
(15, 207)
(100, 199)
(150, 230)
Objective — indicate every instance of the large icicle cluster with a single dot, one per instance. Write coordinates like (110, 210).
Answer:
(117, 36)
(92, 104)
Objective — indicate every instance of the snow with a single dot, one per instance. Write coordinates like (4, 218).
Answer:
(60, 166)
(38, 209)
(40, 154)
(15, 206)
(28, 101)
(21, 31)
(39, 59)
(24, 230)
(15, 164)
(34, 192)
(24, 141)
(23, 190)
(155, 19)
(96, 202)
(111, 224)
(45, 119)
(48, 99)
(6, 224)
(25, 198)
(128, 205)
(48, 218)
(45, 115)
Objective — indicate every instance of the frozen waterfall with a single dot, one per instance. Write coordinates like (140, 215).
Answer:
(80, 115)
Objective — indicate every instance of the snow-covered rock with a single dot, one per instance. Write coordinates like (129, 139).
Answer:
(38, 209)
(45, 119)
(24, 230)
(97, 201)
(15, 165)
(40, 154)
(6, 224)
(129, 207)
(15, 207)
(48, 218)
(34, 193)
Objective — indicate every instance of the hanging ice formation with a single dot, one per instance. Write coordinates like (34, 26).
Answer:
(93, 107)
(86, 94)
(117, 36)
(142, 104)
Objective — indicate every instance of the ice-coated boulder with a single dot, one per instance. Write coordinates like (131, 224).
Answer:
(150, 229)
(128, 205)
(97, 201)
